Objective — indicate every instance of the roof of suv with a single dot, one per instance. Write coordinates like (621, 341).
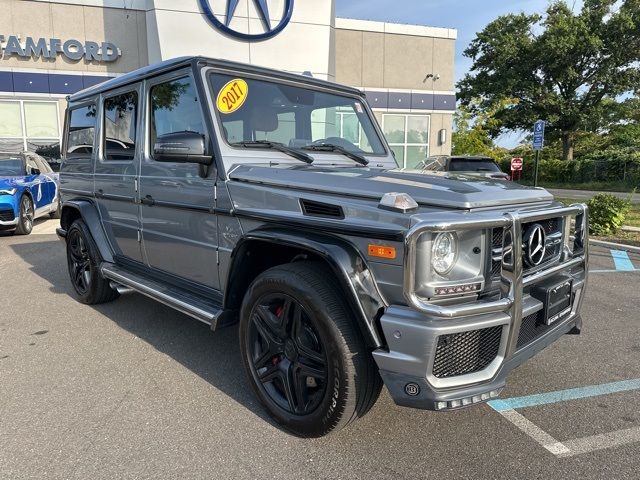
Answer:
(181, 62)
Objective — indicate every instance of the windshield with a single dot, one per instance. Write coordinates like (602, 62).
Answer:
(297, 117)
(11, 167)
(473, 165)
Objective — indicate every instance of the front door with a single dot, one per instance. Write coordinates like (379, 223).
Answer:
(116, 172)
(38, 186)
(179, 228)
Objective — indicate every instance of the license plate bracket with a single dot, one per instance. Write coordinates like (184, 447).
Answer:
(555, 295)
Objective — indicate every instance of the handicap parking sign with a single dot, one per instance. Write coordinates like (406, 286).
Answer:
(538, 135)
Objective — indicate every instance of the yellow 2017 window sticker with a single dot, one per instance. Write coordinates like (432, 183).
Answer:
(232, 96)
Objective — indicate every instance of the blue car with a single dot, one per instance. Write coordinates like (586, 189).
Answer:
(28, 190)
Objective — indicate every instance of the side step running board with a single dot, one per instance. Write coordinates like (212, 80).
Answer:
(201, 309)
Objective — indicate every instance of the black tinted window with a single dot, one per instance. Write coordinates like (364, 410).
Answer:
(120, 116)
(82, 127)
(175, 108)
(470, 165)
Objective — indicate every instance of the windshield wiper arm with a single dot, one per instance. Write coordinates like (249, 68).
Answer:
(330, 147)
(297, 154)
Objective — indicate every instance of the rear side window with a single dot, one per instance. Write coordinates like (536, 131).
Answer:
(471, 165)
(120, 117)
(82, 128)
(175, 108)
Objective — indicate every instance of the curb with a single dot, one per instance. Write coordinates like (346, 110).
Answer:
(630, 229)
(621, 246)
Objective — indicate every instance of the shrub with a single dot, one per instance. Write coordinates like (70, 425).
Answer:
(607, 213)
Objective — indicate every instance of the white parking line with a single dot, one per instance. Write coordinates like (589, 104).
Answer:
(602, 441)
(577, 446)
(535, 432)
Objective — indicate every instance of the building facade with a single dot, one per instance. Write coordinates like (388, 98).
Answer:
(52, 48)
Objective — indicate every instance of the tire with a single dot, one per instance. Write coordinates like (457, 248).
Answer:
(83, 261)
(25, 216)
(58, 213)
(304, 355)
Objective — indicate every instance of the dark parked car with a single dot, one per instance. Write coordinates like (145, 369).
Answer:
(227, 192)
(467, 165)
(28, 190)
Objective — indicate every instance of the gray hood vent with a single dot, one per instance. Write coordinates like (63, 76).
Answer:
(318, 209)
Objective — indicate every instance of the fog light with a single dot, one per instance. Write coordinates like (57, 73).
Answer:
(441, 405)
(466, 401)
(455, 403)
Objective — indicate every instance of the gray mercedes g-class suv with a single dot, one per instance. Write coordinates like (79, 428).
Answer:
(238, 194)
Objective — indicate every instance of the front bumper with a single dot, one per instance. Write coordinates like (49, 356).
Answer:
(9, 214)
(411, 364)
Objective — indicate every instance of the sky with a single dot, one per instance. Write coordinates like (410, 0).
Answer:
(466, 16)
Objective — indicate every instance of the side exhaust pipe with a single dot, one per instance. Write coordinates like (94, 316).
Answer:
(121, 289)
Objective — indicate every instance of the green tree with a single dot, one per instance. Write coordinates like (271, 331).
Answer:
(570, 69)
(469, 136)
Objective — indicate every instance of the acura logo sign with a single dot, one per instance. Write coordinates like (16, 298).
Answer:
(263, 11)
(535, 245)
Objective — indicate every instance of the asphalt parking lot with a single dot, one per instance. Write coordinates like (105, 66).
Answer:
(132, 389)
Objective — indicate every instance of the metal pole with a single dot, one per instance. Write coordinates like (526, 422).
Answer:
(535, 180)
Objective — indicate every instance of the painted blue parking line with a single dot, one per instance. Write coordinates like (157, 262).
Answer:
(564, 395)
(622, 261)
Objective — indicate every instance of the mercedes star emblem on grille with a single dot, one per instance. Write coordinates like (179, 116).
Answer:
(535, 245)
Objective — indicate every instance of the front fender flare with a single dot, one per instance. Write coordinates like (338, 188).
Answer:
(346, 262)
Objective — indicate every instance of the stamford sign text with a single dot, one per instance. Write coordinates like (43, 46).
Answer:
(74, 50)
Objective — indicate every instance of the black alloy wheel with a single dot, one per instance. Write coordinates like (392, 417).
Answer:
(79, 262)
(83, 260)
(288, 356)
(305, 357)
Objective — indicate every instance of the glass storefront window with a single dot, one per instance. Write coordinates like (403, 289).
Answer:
(408, 137)
(28, 125)
(394, 128)
(41, 119)
(10, 120)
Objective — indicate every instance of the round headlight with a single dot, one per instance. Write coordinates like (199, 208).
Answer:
(444, 252)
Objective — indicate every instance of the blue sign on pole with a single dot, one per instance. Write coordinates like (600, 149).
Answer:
(538, 135)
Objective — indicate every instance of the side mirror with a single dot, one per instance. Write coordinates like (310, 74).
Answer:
(181, 147)
(35, 171)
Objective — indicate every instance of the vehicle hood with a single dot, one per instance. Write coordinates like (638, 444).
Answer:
(427, 188)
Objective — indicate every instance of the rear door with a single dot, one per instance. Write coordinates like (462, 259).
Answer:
(38, 185)
(116, 170)
(179, 228)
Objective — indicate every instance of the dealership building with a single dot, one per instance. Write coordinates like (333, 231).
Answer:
(52, 48)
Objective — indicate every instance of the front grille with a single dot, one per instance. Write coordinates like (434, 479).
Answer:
(7, 215)
(551, 226)
(466, 352)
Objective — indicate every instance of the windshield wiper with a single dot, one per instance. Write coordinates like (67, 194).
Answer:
(297, 154)
(330, 147)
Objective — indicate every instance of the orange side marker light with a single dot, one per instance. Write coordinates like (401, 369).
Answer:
(382, 251)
